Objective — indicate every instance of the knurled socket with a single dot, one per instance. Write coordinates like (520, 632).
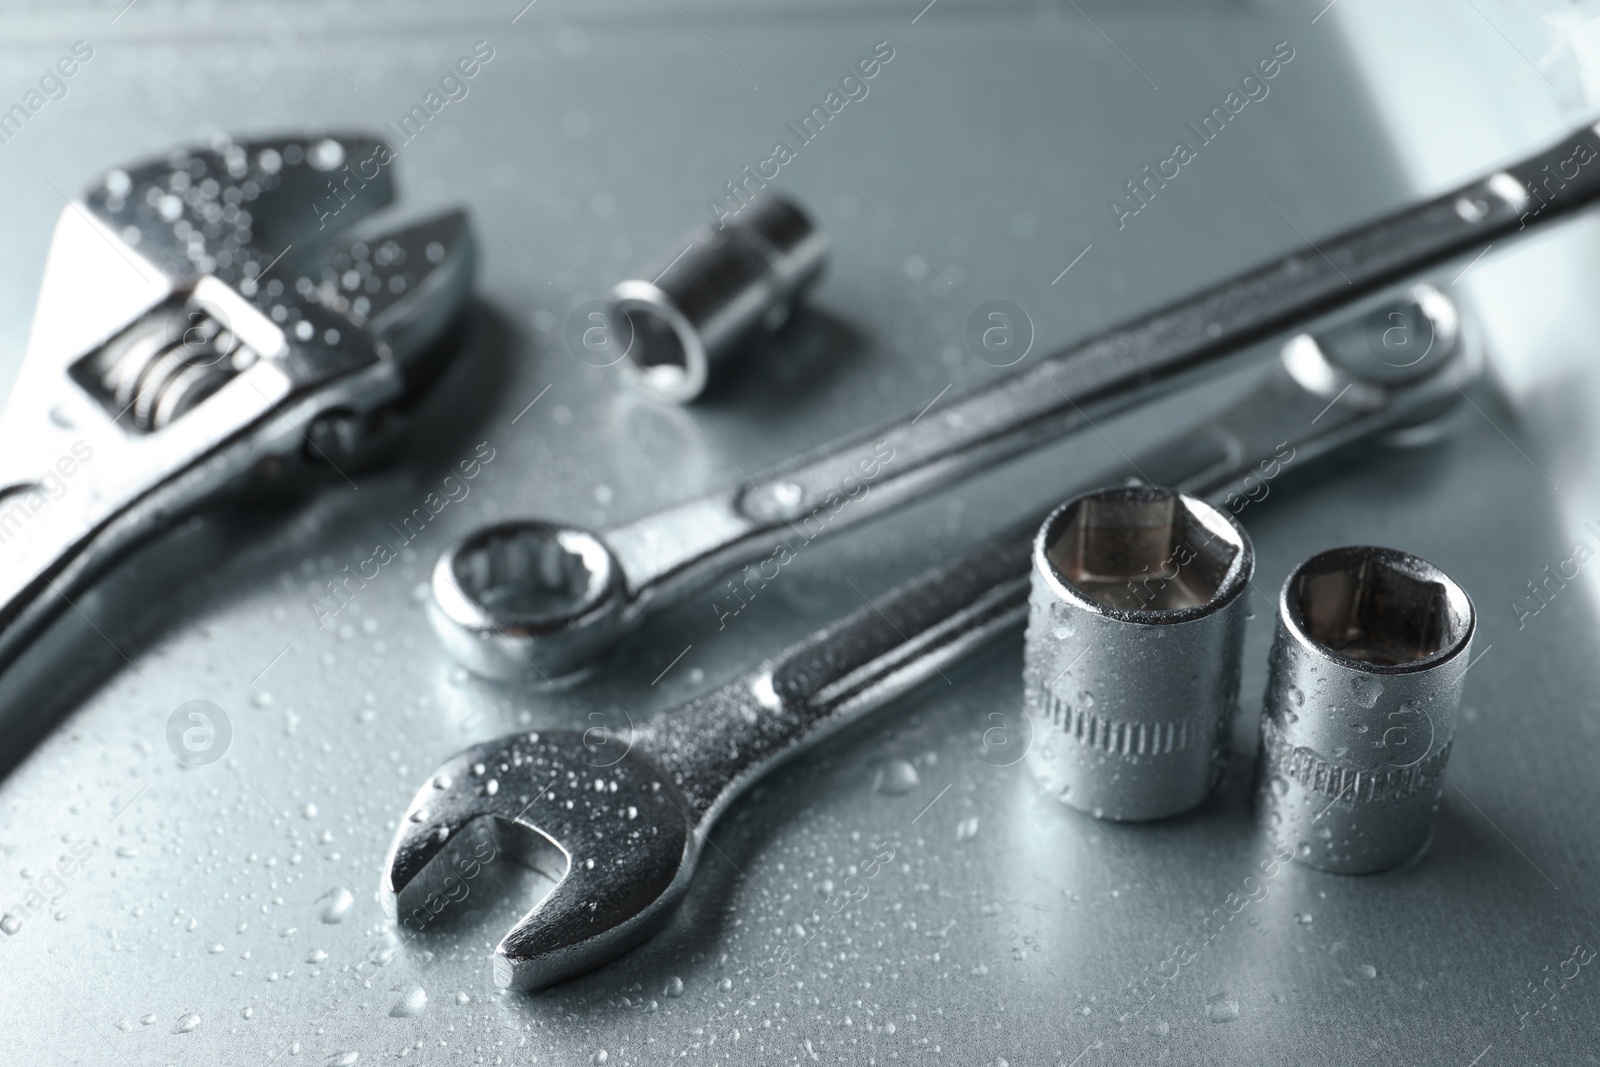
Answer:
(1131, 660)
(1365, 680)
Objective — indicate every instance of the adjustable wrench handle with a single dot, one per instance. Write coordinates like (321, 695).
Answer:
(717, 745)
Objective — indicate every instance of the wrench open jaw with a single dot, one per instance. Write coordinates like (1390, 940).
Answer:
(627, 831)
(614, 829)
(207, 322)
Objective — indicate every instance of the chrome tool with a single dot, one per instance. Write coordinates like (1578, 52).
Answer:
(199, 329)
(544, 599)
(623, 832)
(722, 288)
(1367, 670)
(1133, 650)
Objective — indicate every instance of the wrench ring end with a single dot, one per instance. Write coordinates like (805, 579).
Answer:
(526, 598)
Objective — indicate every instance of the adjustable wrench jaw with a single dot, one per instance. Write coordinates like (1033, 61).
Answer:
(611, 829)
(198, 323)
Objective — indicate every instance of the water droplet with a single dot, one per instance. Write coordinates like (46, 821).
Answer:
(895, 777)
(336, 904)
(1368, 971)
(316, 955)
(674, 987)
(1222, 1009)
(343, 1059)
(491, 787)
(725, 985)
(1367, 689)
(462, 998)
(442, 781)
(148, 1020)
(216, 948)
(412, 1003)
(1304, 918)
(10, 923)
(245, 1013)
(967, 828)
(600, 1057)
(186, 1023)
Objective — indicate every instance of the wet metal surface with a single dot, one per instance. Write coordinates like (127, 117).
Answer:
(195, 910)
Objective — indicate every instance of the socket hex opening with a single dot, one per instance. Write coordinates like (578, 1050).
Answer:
(657, 349)
(666, 348)
(1378, 606)
(1146, 549)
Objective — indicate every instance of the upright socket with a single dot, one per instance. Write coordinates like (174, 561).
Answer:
(1131, 661)
(1365, 681)
(719, 290)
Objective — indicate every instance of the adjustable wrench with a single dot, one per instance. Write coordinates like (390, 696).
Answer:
(627, 830)
(198, 326)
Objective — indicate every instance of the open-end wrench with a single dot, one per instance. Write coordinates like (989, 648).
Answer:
(198, 329)
(623, 833)
(534, 598)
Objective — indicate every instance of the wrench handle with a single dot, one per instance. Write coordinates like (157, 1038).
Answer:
(1304, 406)
(672, 553)
(716, 745)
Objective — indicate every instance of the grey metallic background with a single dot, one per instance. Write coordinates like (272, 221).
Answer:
(1006, 928)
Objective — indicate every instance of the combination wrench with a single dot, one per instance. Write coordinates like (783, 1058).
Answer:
(621, 834)
(526, 599)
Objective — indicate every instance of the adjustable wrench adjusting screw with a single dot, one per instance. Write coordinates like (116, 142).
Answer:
(1366, 676)
(1132, 656)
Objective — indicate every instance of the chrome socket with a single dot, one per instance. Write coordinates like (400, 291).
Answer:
(1132, 655)
(1366, 677)
(732, 283)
